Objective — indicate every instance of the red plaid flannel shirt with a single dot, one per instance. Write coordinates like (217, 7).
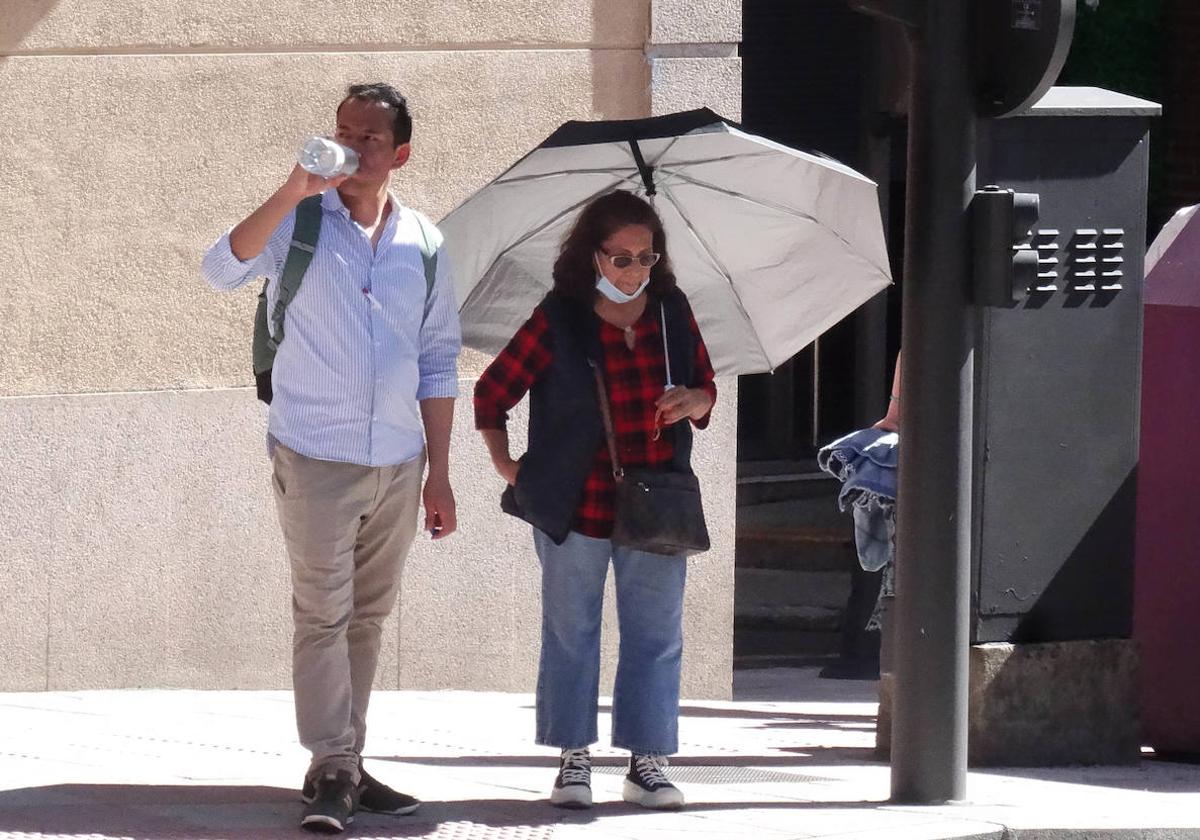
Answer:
(635, 379)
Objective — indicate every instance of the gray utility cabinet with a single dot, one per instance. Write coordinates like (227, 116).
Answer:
(1058, 377)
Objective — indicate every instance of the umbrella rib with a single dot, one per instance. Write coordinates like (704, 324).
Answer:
(613, 170)
(722, 159)
(552, 221)
(770, 205)
(719, 266)
(666, 149)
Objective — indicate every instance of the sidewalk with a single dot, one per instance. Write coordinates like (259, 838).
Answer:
(792, 758)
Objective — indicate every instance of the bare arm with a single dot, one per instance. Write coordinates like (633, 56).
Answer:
(496, 441)
(891, 420)
(437, 413)
(250, 236)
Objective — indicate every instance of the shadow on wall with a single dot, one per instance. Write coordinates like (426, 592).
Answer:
(620, 71)
(16, 23)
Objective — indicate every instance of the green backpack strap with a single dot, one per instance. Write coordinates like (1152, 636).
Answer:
(431, 239)
(300, 254)
(304, 243)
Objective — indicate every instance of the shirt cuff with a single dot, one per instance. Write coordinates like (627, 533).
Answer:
(437, 387)
(487, 418)
(221, 268)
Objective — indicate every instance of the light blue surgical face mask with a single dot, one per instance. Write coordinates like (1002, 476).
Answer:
(605, 287)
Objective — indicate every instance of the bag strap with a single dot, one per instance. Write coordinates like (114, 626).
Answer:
(431, 240)
(304, 243)
(605, 411)
(606, 414)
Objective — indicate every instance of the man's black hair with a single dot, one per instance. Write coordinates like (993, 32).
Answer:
(389, 96)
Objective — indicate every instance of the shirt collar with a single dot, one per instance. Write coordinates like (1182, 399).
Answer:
(332, 201)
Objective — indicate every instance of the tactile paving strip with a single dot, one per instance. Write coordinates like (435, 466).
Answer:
(467, 830)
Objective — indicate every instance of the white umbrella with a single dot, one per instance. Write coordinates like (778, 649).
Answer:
(771, 245)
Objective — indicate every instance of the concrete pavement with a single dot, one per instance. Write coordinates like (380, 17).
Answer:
(792, 757)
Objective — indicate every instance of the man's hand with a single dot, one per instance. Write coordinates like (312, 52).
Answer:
(680, 402)
(440, 517)
(248, 239)
(301, 183)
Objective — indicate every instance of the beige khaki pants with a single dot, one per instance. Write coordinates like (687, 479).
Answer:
(347, 529)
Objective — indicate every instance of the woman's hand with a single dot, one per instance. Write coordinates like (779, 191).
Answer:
(507, 469)
(679, 402)
(890, 421)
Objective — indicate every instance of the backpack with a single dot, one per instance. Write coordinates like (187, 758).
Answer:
(267, 338)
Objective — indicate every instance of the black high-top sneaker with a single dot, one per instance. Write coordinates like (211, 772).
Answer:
(647, 784)
(573, 787)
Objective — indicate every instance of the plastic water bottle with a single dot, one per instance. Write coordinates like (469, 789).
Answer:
(321, 156)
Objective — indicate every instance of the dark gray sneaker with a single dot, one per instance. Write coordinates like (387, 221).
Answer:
(378, 798)
(373, 796)
(332, 806)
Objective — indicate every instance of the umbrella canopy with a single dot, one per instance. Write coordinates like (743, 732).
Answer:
(771, 245)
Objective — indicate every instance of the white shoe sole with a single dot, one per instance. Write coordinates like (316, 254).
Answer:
(324, 824)
(394, 812)
(571, 796)
(666, 799)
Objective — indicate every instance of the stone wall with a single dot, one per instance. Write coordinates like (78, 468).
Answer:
(137, 529)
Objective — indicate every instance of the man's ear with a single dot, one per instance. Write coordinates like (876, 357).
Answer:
(400, 156)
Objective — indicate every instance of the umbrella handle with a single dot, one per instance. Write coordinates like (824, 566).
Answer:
(647, 172)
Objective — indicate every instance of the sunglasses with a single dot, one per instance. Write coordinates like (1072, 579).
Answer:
(624, 260)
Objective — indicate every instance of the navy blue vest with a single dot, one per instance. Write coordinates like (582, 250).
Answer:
(565, 425)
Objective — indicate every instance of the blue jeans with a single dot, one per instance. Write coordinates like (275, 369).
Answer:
(645, 714)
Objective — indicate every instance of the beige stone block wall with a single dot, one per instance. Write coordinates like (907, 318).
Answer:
(683, 83)
(144, 160)
(55, 26)
(693, 56)
(150, 522)
(696, 22)
(137, 526)
(142, 550)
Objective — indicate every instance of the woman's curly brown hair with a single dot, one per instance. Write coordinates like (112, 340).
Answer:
(575, 268)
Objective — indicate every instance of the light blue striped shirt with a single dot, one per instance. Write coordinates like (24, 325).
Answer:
(356, 358)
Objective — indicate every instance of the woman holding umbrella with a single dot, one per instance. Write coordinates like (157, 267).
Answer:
(614, 309)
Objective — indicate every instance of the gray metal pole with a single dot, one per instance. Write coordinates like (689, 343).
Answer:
(929, 735)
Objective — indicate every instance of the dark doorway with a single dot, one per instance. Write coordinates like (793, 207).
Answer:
(811, 81)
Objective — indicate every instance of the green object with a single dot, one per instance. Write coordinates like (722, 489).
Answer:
(304, 244)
